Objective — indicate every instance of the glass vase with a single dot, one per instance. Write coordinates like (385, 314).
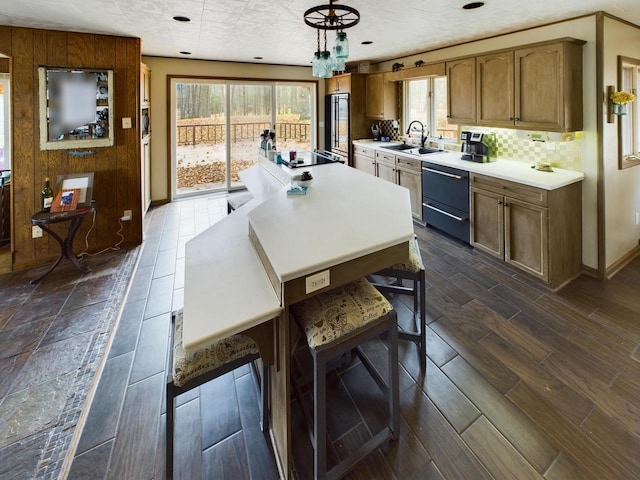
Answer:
(620, 108)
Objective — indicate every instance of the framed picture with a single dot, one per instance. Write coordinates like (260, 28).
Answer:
(66, 200)
(82, 182)
(76, 108)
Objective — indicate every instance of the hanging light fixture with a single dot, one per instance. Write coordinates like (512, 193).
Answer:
(331, 17)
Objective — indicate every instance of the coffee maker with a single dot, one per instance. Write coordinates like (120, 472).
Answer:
(473, 148)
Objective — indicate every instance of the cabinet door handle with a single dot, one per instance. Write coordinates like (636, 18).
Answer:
(457, 177)
(431, 207)
(506, 204)
(499, 202)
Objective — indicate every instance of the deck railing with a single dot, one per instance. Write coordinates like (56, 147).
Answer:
(213, 133)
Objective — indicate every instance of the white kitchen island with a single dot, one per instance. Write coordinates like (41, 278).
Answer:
(242, 273)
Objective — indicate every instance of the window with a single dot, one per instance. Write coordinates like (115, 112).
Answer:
(426, 100)
(216, 127)
(629, 124)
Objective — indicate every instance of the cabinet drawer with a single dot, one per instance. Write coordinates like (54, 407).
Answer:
(387, 157)
(537, 196)
(364, 151)
(408, 163)
(446, 218)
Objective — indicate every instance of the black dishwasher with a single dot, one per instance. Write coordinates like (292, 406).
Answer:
(445, 199)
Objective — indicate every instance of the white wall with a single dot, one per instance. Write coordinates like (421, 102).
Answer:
(163, 67)
(583, 29)
(621, 187)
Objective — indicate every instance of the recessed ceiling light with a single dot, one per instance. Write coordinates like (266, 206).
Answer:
(367, 42)
(472, 5)
(181, 19)
(185, 53)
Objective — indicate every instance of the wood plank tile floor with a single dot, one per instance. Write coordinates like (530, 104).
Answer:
(521, 382)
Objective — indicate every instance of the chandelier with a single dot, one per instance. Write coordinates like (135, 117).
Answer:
(331, 17)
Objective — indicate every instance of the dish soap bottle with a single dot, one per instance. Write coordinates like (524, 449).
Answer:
(47, 196)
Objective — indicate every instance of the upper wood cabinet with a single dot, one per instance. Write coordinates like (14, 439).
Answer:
(382, 97)
(548, 86)
(338, 84)
(537, 87)
(495, 92)
(145, 85)
(461, 91)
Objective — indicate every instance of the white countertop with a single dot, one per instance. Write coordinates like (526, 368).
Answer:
(226, 289)
(502, 168)
(344, 215)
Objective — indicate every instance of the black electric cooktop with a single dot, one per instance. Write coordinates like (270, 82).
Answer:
(309, 159)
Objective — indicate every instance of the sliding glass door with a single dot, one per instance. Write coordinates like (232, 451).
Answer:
(216, 127)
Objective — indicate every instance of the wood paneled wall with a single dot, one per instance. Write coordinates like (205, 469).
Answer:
(117, 168)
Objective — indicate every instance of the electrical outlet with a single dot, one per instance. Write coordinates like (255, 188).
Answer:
(317, 281)
(36, 232)
(637, 218)
(128, 213)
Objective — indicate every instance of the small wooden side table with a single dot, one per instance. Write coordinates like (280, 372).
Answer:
(44, 219)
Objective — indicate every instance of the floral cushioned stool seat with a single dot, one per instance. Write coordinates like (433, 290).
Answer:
(333, 323)
(216, 359)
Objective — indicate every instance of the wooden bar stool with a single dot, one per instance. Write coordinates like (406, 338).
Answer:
(333, 323)
(412, 269)
(188, 372)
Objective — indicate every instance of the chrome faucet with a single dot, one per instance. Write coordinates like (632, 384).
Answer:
(423, 137)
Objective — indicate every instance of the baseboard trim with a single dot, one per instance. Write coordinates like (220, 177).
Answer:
(622, 262)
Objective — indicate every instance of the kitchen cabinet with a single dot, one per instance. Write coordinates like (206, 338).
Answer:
(535, 230)
(548, 86)
(386, 166)
(409, 176)
(145, 134)
(146, 170)
(145, 85)
(495, 89)
(461, 91)
(338, 84)
(382, 97)
(537, 87)
(364, 159)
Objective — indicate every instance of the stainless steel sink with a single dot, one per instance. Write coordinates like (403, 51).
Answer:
(427, 150)
(412, 149)
(402, 146)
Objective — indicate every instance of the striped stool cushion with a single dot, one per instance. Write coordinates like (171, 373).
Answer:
(335, 313)
(414, 262)
(208, 358)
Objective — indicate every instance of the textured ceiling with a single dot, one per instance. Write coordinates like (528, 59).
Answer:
(239, 30)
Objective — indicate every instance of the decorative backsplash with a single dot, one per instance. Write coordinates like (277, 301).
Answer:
(561, 150)
(387, 130)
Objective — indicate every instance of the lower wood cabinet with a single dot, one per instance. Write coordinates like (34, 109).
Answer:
(403, 171)
(364, 159)
(386, 166)
(409, 175)
(538, 231)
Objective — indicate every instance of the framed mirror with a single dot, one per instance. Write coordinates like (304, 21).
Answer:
(76, 108)
(629, 123)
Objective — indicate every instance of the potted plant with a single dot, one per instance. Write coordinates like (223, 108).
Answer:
(620, 100)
